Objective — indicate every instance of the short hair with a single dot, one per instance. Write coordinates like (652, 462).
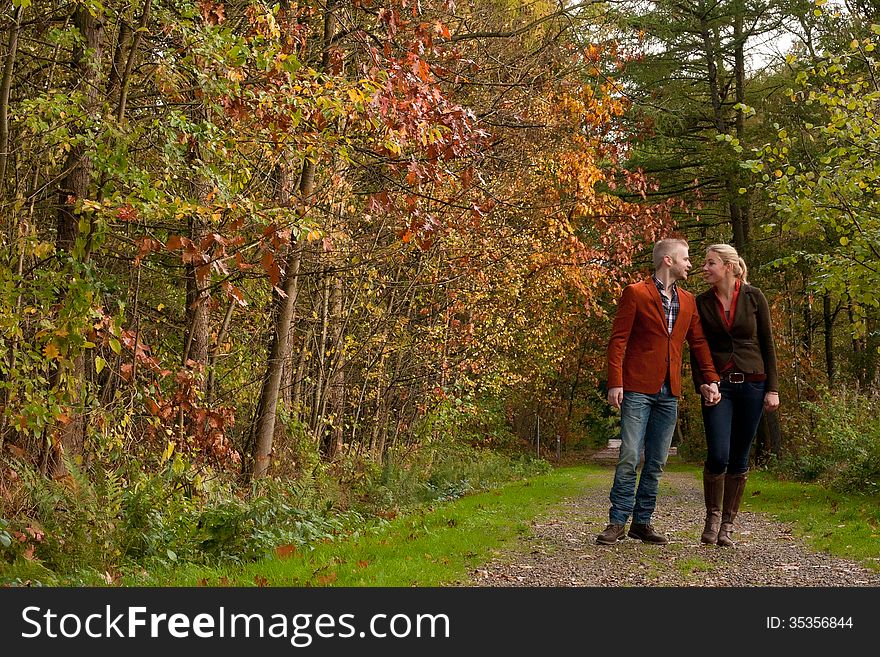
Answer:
(665, 247)
(728, 254)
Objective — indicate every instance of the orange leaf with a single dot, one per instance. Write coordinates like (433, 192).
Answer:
(325, 580)
(285, 551)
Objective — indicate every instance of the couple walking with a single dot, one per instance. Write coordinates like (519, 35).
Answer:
(734, 368)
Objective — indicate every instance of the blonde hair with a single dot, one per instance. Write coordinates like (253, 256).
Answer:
(665, 247)
(729, 255)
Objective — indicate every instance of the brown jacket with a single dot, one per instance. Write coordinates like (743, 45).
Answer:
(641, 352)
(749, 340)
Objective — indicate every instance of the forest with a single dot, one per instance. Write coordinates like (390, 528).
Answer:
(270, 267)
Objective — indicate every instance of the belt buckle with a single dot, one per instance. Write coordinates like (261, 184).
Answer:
(736, 377)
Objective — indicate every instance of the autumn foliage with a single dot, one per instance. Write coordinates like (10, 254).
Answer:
(443, 216)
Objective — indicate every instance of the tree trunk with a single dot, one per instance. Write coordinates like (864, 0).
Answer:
(198, 311)
(285, 306)
(337, 385)
(859, 352)
(323, 303)
(278, 349)
(828, 321)
(769, 439)
(125, 81)
(739, 203)
(807, 319)
(8, 66)
(75, 185)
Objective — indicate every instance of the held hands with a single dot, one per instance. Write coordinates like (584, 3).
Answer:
(615, 397)
(711, 394)
(771, 401)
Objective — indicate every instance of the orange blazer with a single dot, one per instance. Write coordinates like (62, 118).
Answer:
(641, 351)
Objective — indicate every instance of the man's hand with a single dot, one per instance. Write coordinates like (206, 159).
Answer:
(711, 394)
(615, 397)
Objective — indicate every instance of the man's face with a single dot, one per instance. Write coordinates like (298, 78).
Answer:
(681, 263)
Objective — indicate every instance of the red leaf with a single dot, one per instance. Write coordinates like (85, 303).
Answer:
(146, 245)
(234, 293)
(271, 266)
(126, 213)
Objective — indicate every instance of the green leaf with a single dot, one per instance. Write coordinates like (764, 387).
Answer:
(115, 346)
(100, 364)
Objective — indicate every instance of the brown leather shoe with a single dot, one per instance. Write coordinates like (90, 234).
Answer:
(646, 534)
(611, 535)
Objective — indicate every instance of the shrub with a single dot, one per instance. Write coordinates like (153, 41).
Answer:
(838, 442)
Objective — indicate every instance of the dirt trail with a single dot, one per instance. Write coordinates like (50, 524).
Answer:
(561, 551)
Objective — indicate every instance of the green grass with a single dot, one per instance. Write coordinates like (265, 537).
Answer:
(840, 524)
(443, 543)
(435, 546)
(691, 565)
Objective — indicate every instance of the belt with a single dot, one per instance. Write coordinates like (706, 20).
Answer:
(741, 377)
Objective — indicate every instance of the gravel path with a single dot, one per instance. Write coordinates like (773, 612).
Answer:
(561, 551)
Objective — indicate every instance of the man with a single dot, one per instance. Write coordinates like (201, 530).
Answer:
(654, 318)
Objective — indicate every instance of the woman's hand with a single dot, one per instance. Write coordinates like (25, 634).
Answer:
(711, 394)
(771, 401)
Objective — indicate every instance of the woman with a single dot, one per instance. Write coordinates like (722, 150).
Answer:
(736, 321)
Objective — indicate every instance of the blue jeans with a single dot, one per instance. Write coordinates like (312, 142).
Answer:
(646, 422)
(731, 426)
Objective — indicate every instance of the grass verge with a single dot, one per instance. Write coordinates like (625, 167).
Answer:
(434, 546)
(841, 524)
(844, 525)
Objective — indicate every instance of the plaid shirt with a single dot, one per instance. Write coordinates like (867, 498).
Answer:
(670, 306)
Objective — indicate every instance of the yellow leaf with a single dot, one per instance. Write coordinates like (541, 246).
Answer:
(44, 249)
(169, 450)
(51, 351)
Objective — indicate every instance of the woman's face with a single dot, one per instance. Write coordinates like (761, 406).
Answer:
(714, 270)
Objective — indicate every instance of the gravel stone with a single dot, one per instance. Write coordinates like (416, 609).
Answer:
(562, 550)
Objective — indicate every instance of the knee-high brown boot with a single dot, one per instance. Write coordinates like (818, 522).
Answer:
(713, 490)
(734, 485)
